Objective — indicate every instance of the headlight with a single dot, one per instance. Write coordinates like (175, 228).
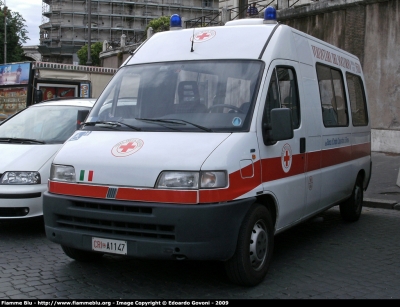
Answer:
(20, 178)
(178, 180)
(190, 180)
(62, 173)
(211, 180)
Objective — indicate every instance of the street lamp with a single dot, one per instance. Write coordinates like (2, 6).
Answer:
(89, 58)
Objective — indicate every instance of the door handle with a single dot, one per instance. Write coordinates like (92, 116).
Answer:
(302, 145)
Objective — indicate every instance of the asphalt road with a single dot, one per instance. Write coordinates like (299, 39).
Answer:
(324, 258)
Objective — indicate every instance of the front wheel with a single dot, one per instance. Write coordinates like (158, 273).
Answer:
(350, 210)
(253, 254)
(81, 255)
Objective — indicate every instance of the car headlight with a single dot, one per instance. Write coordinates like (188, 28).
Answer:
(178, 180)
(190, 180)
(20, 178)
(62, 173)
(209, 180)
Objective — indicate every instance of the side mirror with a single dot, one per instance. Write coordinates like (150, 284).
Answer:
(281, 127)
(38, 96)
(82, 114)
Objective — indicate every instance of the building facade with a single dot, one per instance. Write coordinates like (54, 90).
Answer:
(64, 29)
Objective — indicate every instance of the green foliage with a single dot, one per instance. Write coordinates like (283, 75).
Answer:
(159, 25)
(16, 35)
(95, 50)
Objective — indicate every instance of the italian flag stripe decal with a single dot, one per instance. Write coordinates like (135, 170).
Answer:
(86, 175)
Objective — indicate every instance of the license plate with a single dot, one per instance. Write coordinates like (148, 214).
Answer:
(109, 246)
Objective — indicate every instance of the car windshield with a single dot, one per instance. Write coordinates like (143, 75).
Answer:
(46, 124)
(201, 96)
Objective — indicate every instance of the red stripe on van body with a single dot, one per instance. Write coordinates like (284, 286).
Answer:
(330, 157)
(313, 161)
(271, 168)
(74, 189)
(360, 150)
(237, 186)
(156, 195)
(132, 194)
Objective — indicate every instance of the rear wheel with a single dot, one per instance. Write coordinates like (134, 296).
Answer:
(252, 257)
(81, 255)
(350, 210)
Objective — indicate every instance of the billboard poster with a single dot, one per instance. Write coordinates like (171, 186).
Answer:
(18, 73)
(12, 99)
(51, 91)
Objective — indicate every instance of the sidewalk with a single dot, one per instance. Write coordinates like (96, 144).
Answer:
(382, 191)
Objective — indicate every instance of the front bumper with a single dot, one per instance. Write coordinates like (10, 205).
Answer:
(21, 201)
(152, 230)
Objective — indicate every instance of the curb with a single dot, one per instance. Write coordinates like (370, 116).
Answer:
(381, 203)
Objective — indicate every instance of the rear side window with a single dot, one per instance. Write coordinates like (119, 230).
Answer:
(358, 103)
(333, 99)
(283, 93)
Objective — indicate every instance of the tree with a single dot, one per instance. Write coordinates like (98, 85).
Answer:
(159, 25)
(16, 35)
(95, 50)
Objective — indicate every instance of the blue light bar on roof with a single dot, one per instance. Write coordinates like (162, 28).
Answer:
(270, 15)
(175, 22)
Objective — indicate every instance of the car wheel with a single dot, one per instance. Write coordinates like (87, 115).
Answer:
(350, 210)
(81, 255)
(253, 254)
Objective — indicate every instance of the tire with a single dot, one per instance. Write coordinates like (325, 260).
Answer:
(350, 210)
(253, 254)
(81, 255)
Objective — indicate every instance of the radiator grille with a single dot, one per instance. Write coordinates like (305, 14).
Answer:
(112, 207)
(98, 226)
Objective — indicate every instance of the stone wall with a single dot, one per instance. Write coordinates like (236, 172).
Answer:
(370, 29)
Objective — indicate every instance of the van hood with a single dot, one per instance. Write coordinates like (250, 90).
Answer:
(135, 158)
(23, 157)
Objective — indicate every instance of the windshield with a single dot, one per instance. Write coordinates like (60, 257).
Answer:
(203, 96)
(48, 124)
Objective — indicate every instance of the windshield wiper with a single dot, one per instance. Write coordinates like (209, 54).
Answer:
(112, 123)
(160, 122)
(173, 121)
(21, 141)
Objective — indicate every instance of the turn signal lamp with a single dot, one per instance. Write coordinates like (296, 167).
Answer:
(175, 22)
(270, 15)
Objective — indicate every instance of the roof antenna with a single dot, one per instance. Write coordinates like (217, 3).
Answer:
(191, 50)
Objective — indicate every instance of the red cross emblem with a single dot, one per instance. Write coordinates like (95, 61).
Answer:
(286, 157)
(127, 147)
(203, 36)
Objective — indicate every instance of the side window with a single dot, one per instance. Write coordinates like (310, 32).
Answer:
(288, 91)
(283, 93)
(333, 99)
(358, 104)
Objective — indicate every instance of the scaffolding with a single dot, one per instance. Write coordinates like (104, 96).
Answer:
(64, 28)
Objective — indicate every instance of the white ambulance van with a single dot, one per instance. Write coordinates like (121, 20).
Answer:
(208, 142)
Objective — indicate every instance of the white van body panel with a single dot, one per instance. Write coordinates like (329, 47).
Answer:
(141, 168)
(209, 43)
(239, 154)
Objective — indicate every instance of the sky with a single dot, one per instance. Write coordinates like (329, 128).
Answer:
(31, 11)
